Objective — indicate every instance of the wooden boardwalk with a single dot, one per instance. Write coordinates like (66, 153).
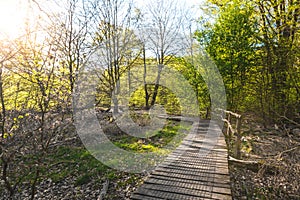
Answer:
(190, 172)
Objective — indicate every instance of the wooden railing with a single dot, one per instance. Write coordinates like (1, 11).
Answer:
(233, 123)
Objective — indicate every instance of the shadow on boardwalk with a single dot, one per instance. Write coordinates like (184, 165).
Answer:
(188, 174)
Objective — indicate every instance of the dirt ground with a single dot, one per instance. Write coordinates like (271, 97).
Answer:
(277, 173)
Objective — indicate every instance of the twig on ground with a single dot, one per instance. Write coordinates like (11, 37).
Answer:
(278, 156)
(104, 190)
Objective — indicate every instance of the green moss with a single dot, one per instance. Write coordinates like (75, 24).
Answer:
(58, 176)
(81, 180)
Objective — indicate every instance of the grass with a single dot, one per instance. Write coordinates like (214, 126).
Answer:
(172, 133)
(74, 161)
(77, 161)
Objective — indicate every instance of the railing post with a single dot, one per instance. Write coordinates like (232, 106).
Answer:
(238, 137)
(233, 132)
(229, 132)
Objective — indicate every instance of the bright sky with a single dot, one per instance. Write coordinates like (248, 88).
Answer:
(13, 15)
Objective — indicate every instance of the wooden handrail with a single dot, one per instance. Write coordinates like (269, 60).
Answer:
(231, 131)
(229, 112)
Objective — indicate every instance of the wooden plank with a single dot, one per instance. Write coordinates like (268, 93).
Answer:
(185, 175)
(144, 197)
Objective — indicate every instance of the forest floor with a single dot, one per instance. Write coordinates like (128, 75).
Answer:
(71, 172)
(277, 173)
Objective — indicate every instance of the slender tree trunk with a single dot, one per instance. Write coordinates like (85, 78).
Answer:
(147, 97)
(5, 179)
(33, 186)
(3, 112)
(129, 81)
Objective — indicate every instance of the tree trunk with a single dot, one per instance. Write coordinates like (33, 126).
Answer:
(155, 92)
(3, 112)
(147, 97)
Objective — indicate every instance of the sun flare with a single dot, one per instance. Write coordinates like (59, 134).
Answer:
(12, 17)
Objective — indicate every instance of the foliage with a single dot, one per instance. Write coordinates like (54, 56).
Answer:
(254, 44)
(229, 41)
